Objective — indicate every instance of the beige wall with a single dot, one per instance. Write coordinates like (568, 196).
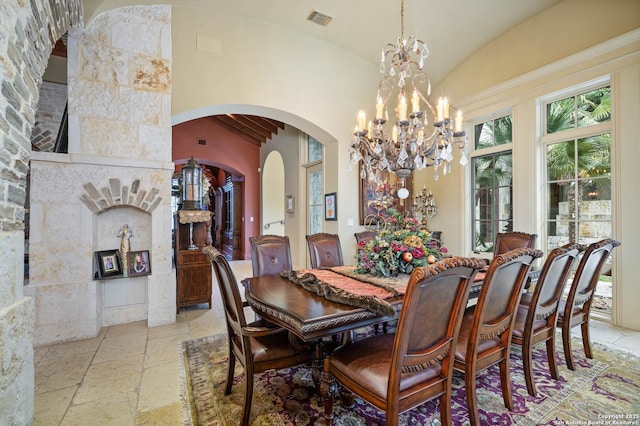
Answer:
(559, 31)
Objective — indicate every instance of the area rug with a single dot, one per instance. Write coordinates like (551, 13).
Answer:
(606, 388)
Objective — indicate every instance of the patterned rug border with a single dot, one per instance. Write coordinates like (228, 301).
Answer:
(187, 406)
(540, 415)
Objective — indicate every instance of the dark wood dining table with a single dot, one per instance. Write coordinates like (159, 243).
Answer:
(305, 314)
(312, 317)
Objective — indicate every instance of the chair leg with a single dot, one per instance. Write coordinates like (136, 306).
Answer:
(230, 372)
(586, 342)
(248, 396)
(551, 357)
(445, 408)
(566, 344)
(505, 379)
(527, 361)
(470, 388)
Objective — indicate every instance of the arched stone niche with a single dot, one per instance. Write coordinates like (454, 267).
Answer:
(116, 194)
(124, 299)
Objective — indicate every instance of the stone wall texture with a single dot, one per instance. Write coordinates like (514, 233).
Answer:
(29, 30)
(118, 164)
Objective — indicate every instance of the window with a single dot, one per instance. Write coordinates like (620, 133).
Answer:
(578, 168)
(315, 185)
(577, 160)
(492, 179)
(314, 150)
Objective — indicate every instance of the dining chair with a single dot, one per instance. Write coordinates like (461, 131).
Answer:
(400, 371)
(507, 241)
(324, 250)
(259, 346)
(270, 254)
(576, 308)
(537, 313)
(365, 236)
(485, 332)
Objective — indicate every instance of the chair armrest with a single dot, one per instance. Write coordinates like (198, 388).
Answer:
(256, 331)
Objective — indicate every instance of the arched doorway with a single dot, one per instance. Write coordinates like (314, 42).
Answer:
(273, 197)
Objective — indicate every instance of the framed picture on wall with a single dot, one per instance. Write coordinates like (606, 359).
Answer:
(108, 264)
(330, 206)
(377, 198)
(139, 263)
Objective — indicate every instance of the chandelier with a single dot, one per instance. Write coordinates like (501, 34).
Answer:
(419, 139)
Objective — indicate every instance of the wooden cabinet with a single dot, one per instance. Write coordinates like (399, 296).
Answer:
(232, 217)
(193, 268)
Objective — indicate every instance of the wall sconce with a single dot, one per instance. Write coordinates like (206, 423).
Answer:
(192, 185)
(424, 204)
(290, 207)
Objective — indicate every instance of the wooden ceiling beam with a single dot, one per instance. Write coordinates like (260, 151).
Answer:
(271, 125)
(247, 121)
(227, 123)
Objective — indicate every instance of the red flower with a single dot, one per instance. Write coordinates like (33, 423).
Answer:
(418, 253)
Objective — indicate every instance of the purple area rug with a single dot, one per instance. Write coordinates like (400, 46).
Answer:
(608, 385)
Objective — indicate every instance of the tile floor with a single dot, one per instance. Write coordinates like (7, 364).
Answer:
(130, 374)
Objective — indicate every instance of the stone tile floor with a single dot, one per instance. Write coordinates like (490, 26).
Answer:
(130, 374)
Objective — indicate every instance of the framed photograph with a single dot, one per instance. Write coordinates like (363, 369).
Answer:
(330, 206)
(377, 198)
(290, 206)
(108, 264)
(139, 263)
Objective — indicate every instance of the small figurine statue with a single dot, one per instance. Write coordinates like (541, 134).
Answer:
(125, 234)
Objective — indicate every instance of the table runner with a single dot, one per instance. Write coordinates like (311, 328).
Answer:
(396, 285)
(343, 289)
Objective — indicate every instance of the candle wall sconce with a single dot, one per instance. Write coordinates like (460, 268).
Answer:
(424, 205)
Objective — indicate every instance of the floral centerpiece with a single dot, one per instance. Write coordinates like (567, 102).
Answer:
(399, 249)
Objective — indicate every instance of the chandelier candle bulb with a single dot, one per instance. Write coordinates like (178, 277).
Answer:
(379, 108)
(458, 125)
(415, 102)
(362, 121)
(445, 108)
(440, 110)
(402, 109)
(394, 133)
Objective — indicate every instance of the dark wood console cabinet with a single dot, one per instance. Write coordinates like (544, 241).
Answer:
(193, 268)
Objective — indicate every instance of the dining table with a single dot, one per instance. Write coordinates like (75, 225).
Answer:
(311, 316)
(285, 301)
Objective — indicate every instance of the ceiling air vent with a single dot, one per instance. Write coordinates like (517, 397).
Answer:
(319, 18)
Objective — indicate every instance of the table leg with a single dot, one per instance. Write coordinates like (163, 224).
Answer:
(316, 364)
(327, 392)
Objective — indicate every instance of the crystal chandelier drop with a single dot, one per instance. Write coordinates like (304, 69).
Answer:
(415, 142)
